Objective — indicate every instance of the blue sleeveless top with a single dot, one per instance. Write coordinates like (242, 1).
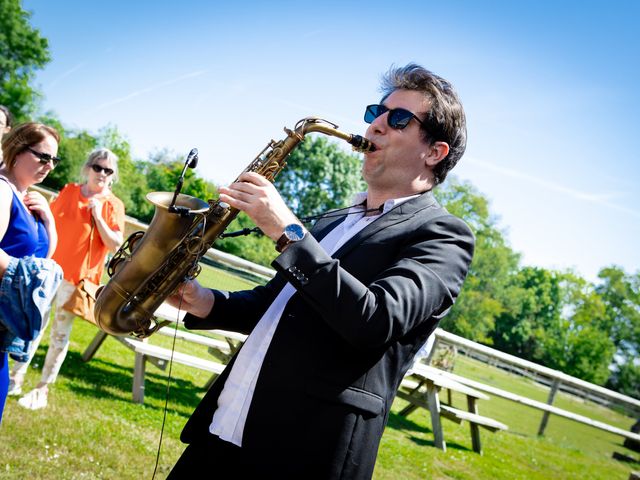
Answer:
(26, 234)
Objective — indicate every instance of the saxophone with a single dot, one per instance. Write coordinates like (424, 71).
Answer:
(150, 266)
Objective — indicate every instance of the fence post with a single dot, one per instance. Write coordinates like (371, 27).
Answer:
(552, 395)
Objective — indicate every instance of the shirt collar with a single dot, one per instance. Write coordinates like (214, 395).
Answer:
(359, 202)
(360, 198)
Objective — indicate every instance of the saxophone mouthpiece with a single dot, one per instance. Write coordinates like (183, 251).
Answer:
(361, 144)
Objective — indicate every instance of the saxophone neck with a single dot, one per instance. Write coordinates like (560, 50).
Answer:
(314, 124)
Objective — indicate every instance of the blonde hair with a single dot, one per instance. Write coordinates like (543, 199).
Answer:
(102, 154)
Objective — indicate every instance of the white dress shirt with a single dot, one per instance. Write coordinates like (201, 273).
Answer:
(235, 399)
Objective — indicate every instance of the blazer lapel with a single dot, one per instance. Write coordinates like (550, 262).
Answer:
(322, 228)
(396, 215)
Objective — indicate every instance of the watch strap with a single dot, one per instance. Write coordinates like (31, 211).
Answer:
(292, 233)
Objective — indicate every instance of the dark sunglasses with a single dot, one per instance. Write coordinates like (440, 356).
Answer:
(98, 169)
(45, 157)
(398, 118)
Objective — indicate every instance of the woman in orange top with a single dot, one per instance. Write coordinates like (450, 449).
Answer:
(84, 214)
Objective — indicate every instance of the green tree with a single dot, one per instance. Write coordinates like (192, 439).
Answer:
(626, 377)
(74, 147)
(319, 176)
(533, 307)
(162, 171)
(254, 247)
(620, 293)
(485, 291)
(576, 343)
(22, 52)
(131, 187)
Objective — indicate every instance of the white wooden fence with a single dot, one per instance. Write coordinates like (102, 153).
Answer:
(554, 378)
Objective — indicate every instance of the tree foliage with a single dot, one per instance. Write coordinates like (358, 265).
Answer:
(533, 308)
(575, 343)
(254, 247)
(484, 293)
(76, 145)
(554, 318)
(22, 52)
(319, 176)
(162, 172)
(620, 293)
(626, 378)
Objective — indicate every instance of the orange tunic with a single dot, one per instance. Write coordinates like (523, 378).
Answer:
(73, 224)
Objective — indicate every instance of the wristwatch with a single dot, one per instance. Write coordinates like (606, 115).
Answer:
(292, 233)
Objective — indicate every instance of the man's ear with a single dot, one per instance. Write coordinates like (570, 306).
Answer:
(437, 152)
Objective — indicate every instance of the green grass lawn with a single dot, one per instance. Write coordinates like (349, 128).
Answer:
(92, 430)
(567, 450)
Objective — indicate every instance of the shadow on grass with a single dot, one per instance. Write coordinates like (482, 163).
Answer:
(450, 445)
(99, 378)
(398, 422)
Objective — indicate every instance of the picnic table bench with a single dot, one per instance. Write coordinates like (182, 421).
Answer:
(425, 393)
(145, 351)
(225, 346)
(545, 407)
(213, 343)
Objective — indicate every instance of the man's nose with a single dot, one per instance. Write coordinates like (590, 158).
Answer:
(380, 124)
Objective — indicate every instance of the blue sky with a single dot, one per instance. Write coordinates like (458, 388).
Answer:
(550, 89)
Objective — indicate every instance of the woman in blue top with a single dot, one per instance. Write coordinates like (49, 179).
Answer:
(26, 222)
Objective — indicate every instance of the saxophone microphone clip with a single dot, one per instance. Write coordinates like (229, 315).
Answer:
(192, 159)
(190, 162)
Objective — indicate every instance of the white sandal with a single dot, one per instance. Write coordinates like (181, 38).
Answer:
(35, 399)
(15, 389)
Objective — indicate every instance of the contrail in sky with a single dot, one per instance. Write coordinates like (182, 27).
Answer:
(64, 75)
(600, 199)
(150, 89)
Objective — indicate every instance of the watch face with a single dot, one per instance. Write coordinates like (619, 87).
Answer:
(294, 232)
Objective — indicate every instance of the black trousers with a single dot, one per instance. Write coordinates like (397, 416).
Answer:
(211, 457)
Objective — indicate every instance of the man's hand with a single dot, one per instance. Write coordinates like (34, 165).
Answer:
(192, 297)
(258, 198)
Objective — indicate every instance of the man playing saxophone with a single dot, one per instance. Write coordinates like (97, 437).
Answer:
(332, 335)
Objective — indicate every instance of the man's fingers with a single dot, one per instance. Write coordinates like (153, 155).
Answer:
(234, 202)
(253, 178)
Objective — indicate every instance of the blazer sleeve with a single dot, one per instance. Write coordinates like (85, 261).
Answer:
(419, 282)
(237, 311)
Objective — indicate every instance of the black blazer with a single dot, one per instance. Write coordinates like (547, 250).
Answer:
(344, 341)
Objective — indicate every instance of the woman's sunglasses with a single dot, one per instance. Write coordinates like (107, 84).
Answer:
(398, 118)
(45, 158)
(97, 168)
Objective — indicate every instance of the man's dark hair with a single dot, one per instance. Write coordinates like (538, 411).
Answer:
(445, 121)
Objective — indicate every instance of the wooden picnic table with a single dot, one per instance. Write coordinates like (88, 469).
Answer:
(167, 312)
(160, 356)
(424, 392)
